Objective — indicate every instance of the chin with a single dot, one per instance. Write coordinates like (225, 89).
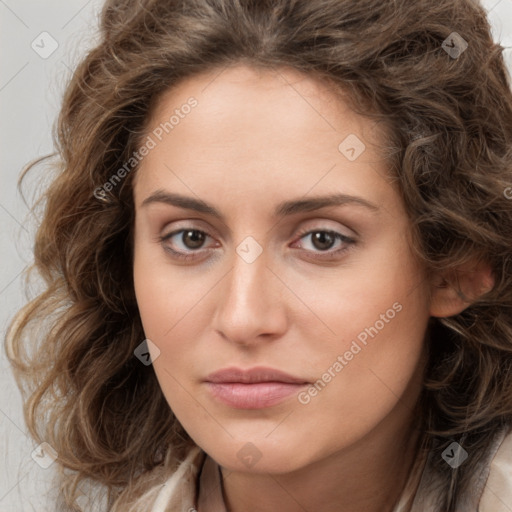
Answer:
(260, 456)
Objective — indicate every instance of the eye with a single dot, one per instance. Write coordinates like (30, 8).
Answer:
(189, 239)
(322, 240)
(185, 243)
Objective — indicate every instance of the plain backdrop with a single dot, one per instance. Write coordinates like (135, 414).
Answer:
(40, 44)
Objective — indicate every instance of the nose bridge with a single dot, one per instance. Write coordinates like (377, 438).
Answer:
(248, 305)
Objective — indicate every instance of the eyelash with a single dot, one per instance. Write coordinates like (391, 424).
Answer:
(338, 236)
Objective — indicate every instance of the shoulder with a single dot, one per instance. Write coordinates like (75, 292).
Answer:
(497, 493)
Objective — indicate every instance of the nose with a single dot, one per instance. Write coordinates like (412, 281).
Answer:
(250, 305)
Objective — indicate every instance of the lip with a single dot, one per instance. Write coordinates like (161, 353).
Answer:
(254, 388)
(253, 375)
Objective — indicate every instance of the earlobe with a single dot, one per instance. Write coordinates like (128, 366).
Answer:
(453, 292)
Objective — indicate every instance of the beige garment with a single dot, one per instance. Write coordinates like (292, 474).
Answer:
(197, 485)
(497, 495)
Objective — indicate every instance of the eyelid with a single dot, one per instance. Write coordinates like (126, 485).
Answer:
(347, 241)
(321, 225)
(178, 255)
(338, 228)
(319, 222)
(174, 232)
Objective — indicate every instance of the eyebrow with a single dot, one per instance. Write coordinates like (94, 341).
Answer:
(283, 209)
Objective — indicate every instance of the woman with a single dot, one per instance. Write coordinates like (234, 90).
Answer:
(297, 211)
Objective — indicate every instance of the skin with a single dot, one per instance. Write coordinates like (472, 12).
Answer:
(255, 139)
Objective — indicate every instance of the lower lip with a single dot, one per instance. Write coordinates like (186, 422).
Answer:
(253, 396)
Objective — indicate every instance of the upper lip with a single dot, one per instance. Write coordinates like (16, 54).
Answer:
(252, 375)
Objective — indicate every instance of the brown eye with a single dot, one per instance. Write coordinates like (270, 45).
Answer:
(184, 243)
(322, 240)
(193, 239)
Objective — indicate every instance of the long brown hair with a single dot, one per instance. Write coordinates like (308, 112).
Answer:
(446, 109)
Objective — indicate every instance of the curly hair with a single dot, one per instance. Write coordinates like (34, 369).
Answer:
(447, 118)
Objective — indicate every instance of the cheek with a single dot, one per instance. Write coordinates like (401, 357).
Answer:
(379, 295)
(173, 315)
(163, 311)
(377, 319)
(167, 324)
(164, 296)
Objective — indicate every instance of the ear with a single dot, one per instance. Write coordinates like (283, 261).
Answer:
(454, 291)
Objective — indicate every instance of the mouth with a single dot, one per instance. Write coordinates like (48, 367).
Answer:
(255, 388)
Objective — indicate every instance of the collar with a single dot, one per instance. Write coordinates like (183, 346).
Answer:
(211, 495)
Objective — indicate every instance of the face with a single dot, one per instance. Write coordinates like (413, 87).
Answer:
(270, 243)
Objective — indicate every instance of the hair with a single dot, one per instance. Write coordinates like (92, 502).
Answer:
(448, 126)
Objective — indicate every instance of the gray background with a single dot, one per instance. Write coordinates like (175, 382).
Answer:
(31, 85)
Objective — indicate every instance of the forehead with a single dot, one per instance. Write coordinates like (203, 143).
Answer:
(251, 126)
(255, 98)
